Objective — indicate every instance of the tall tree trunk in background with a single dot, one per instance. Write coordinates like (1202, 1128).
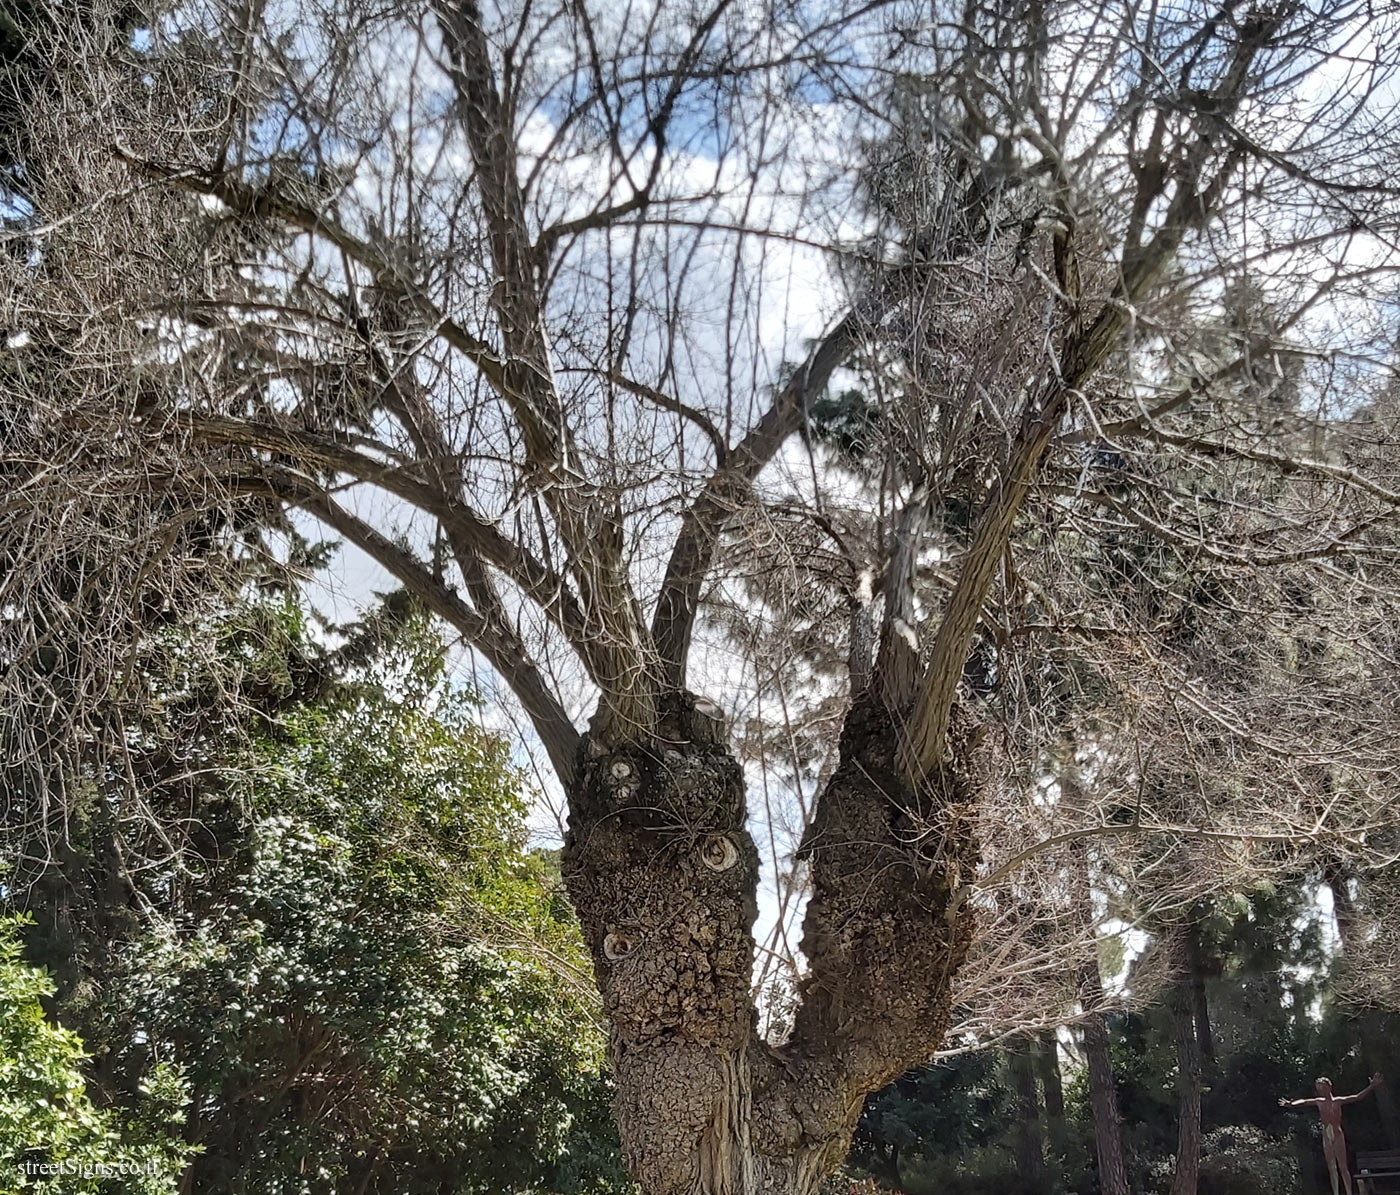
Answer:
(1343, 907)
(1103, 1103)
(1372, 1050)
(1030, 1146)
(1305, 1154)
(1103, 1091)
(1181, 1002)
(1200, 1012)
(1047, 1059)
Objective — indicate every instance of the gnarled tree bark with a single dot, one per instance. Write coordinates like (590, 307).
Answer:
(664, 873)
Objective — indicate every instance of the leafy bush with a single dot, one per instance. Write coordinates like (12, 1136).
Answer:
(977, 1171)
(846, 1184)
(1243, 1160)
(1235, 1160)
(390, 994)
(52, 1138)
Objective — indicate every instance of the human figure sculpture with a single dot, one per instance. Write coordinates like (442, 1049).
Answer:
(1334, 1139)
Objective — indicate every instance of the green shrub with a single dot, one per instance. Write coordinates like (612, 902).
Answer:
(1244, 1160)
(53, 1140)
(977, 1171)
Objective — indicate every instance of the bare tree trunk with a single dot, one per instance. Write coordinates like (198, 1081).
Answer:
(662, 871)
(1103, 1091)
(1103, 1103)
(1343, 907)
(1200, 1001)
(1030, 1147)
(663, 874)
(1048, 1066)
(1188, 1089)
(1200, 1013)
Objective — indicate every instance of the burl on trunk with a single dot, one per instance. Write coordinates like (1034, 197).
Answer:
(664, 874)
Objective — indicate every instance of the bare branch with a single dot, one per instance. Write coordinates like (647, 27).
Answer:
(727, 491)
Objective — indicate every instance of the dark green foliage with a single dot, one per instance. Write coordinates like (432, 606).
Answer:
(1244, 1160)
(367, 980)
(958, 1105)
(377, 990)
(851, 424)
(1269, 963)
(53, 1139)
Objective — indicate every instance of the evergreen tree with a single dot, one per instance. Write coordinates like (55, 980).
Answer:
(368, 981)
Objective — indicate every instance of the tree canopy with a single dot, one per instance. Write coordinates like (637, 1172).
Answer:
(966, 430)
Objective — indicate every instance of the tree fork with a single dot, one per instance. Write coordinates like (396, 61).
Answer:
(664, 876)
